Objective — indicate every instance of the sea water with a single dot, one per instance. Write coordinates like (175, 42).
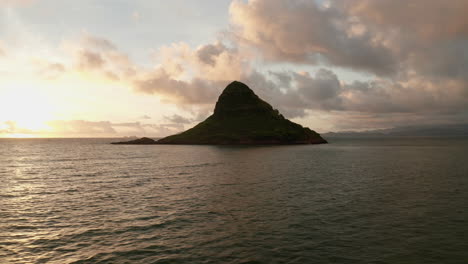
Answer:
(400, 200)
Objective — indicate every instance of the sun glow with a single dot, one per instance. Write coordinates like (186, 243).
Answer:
(26, 106)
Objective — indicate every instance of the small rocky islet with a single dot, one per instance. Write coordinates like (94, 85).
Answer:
(240, 118)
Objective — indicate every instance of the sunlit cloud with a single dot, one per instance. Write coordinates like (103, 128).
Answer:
(83, 128)
(411, 63)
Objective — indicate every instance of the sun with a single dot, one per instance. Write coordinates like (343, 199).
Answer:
(27, 106)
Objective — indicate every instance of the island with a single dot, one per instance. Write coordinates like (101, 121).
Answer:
(240, 117)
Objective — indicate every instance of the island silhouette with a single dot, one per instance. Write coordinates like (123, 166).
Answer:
(240, 117)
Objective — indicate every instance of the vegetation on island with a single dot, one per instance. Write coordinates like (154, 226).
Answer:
(242, 118)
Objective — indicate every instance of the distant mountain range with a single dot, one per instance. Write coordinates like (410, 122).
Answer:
(451, 130)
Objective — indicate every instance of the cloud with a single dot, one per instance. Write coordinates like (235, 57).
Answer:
(177, 119)
(208, 53)
(98, 43)
(100, 56)
(52, 70)
(387, 38)
(323, 91)
(413, 56)
(90, 60)
(192, 76)
(107, 128)
(84, 128)
(428, 37)
(195, 91)
(7, 127)
(428, 19)
(213, 61)
(295, 94)
(416, 54)
(188, 76)
(412, 95)
(304, 32)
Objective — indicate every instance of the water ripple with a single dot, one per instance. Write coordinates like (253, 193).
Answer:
(347, 202)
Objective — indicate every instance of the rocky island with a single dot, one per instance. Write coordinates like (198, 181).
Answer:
(240, 118)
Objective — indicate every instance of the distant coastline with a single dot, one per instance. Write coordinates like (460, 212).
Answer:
(449, 130)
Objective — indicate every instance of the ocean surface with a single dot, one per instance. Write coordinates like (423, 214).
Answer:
(352, 201)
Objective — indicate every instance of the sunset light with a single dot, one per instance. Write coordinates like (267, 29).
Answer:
(233, 131)
(28, 105)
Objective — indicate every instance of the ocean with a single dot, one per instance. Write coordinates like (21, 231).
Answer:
(391, 200)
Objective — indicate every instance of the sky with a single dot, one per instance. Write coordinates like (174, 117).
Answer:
(113, 68)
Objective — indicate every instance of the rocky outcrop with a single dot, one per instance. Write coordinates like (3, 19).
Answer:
(140, 141)
(241, 118)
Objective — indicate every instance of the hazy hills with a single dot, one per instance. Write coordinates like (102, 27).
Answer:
(449, 130)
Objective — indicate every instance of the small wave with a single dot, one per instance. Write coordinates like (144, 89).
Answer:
(201, 165)
(8, 196)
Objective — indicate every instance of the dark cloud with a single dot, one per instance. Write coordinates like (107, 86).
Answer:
(323, 90)
(208, 53)
(295, 94)
(284, 78)
(326, 93)
(177, 119)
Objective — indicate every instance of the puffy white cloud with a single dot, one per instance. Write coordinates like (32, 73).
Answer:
(214, 61)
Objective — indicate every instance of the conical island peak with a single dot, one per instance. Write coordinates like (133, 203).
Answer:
(240, 117)
(237, 87)
(237, 98)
